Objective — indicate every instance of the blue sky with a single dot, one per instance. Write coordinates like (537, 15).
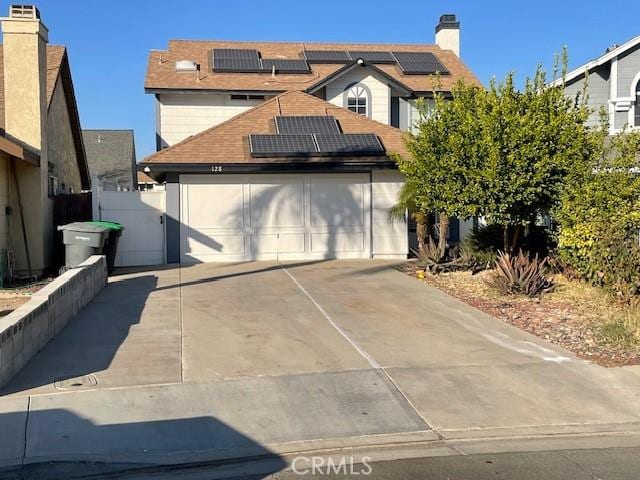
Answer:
(108, 42)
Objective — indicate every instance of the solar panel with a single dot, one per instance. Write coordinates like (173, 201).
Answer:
(349, 144)
(327, 56)
(373, 57)
(307, 124)
(284, 65)
(267, 145)
(413, 63)
(236, 53)
(236, 65)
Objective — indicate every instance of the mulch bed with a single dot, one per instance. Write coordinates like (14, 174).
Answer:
(566, 322)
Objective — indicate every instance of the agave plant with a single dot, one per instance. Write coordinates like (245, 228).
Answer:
(522, 274)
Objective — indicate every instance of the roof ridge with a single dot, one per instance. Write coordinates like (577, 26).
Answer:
(302, 42)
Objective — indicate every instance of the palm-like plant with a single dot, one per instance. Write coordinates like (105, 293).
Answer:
(407, 204)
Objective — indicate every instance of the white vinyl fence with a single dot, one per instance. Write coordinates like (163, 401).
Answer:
(143, 217)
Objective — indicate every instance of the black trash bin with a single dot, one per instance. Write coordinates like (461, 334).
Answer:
(111, 246)
(81, 240)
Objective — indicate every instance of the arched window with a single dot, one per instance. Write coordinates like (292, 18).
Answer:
(358, 99)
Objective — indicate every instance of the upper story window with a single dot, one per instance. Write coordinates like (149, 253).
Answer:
(247, 97)
(358, 99)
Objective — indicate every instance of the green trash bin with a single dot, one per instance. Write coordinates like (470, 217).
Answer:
(81, 240)
(111, 246)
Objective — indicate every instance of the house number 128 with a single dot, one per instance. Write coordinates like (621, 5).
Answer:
(216, 168)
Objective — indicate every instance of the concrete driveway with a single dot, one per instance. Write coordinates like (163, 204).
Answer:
(263, 357)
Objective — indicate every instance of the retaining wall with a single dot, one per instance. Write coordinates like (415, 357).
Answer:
(28, 328)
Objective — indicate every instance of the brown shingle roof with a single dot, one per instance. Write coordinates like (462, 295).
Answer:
(161, 73)
(227, 142)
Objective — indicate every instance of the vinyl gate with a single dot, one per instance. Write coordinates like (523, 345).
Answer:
(143, 217)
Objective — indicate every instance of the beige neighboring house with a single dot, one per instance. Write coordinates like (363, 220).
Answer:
(41, 149)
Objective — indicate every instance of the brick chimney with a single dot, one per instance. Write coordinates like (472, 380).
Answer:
(24, 39)
(448, 33)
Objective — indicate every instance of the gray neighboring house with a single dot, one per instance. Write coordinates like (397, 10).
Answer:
(111, 156)
(613, 84)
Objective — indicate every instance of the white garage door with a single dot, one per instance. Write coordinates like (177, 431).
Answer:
(267, 217)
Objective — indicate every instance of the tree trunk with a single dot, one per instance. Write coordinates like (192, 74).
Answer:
(421, 231)
(505, 238)
(517, 230)
(443, 230)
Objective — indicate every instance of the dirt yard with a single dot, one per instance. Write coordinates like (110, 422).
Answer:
(574, 316)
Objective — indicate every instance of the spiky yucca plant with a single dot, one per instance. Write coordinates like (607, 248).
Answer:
(521, 274)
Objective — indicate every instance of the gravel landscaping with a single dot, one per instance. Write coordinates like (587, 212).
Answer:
(573, 316)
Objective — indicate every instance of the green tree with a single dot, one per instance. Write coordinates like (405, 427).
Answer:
(406, 204)
(534, 139)
(446, 155)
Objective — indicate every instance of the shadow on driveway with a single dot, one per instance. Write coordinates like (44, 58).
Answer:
(65, 445)
(88, 344)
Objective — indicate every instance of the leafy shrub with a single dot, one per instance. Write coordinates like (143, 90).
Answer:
(521, 274)
(599, 219)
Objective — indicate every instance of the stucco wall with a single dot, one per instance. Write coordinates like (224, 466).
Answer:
(61, 148)
(389, 236)
(380, 108)
(182, 115)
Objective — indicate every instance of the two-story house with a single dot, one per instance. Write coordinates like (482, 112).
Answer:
(284, 150)
(612, 85)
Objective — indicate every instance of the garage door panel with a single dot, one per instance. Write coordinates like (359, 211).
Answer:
(291, 216)
(211, 244)
(277, 205)
(278, 243)
(337, 203)
(215, 206)
(336, 242)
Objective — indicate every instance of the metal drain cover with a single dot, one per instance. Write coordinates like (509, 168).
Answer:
(84, 381)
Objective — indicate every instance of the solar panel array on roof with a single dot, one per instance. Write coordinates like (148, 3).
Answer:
(268, 145)
(282, 65)
(415, 63)
(349, 144)
(236, 60)
(305, 136)
(236, 53)
(306, 124)
(327, 56)
(373, 57)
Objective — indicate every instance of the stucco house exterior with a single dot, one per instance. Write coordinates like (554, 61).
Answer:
(43, 153)
(280, 150)
(613, 85)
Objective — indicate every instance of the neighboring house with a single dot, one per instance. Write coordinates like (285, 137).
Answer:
(284, 150)
(41, 135)
(111, 155)
(146, 183)
(613, 85)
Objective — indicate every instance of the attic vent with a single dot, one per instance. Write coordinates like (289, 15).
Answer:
(24, 11)
(612, 47)
(186, 66)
